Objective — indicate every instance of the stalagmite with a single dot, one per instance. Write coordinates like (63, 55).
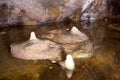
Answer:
(69, 63)
(76, 31)
(33, 36)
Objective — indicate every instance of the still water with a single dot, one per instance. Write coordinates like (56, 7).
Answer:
(103, 65)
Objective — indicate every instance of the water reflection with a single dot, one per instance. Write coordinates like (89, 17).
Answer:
(104, 64)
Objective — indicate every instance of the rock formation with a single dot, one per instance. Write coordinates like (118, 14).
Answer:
(34, 12)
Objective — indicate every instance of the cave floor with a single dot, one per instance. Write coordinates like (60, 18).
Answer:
(103, 65)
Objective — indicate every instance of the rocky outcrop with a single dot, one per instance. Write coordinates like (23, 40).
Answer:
(94, 9)
(40, 11)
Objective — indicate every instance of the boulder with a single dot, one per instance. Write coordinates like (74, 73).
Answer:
(37, 50)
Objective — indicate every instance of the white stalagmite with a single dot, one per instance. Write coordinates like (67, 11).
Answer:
(32, 36)
(69, 63)
(74, 30)
(77, 32)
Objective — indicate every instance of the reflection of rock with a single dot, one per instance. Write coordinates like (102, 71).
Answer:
(36, 49)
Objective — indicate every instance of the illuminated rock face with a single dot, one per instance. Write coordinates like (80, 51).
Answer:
(40, 11)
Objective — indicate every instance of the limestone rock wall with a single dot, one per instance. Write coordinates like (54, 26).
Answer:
(39, 11)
